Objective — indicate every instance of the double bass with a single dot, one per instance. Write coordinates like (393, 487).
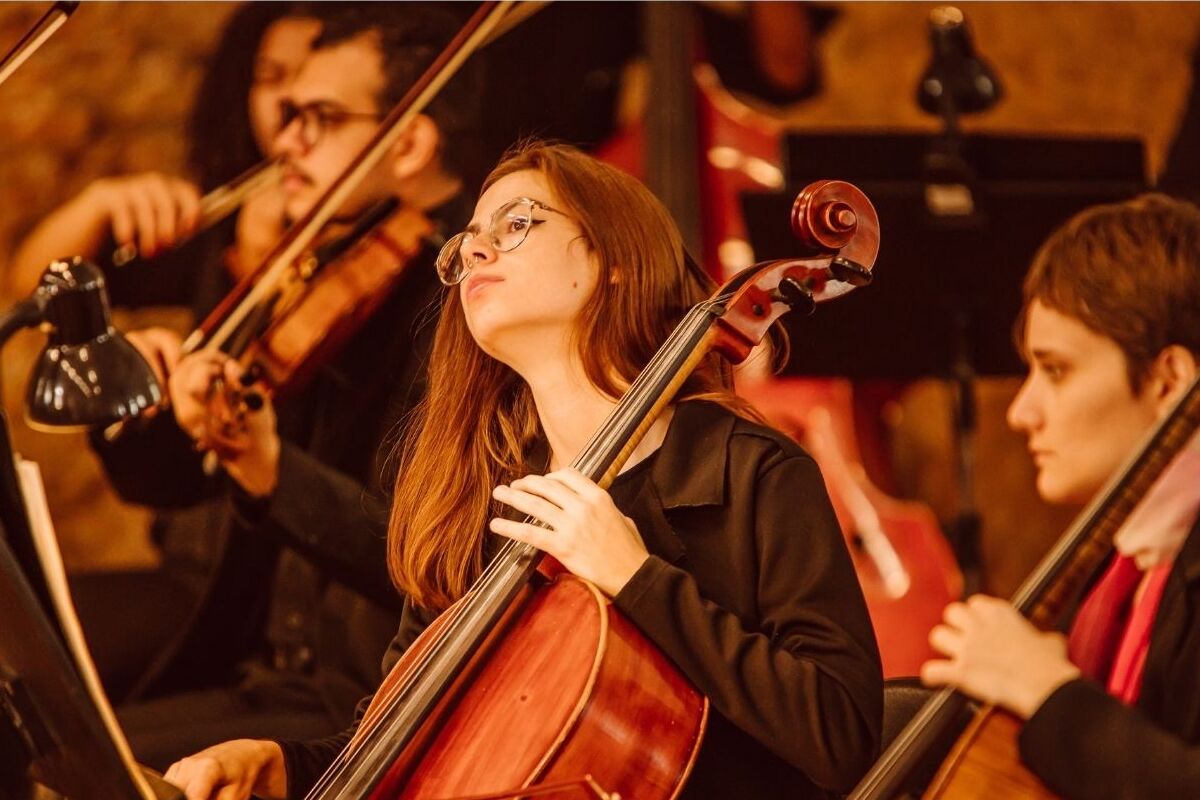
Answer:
(469, 710)
(698, 147)
(984, 761)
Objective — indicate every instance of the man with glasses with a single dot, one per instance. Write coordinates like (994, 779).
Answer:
(307, 552)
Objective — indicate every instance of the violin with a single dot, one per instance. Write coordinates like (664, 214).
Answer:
(617, 713)
(283, 319)
(985, 761)
(219, 203)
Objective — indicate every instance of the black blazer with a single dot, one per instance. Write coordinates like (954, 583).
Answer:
(1086, 745)
(749, 589)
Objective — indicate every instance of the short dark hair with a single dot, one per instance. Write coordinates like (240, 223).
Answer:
(410, 36)
(1129, 271)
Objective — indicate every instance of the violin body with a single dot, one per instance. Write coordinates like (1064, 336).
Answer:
(904, 564)
(314, 308)
(312, 323)
(985, 762)
(568, 688)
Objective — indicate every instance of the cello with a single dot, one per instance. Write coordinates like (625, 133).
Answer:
(984, 760)
(468, 708)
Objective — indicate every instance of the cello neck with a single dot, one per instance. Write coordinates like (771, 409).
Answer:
(1045, 593)
(511, 570)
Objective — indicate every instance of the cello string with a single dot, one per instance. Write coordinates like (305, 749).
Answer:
(645, 388)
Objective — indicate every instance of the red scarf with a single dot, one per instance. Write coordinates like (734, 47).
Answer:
(1111, 633)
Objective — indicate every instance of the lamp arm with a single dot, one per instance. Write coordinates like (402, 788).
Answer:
(25, 314)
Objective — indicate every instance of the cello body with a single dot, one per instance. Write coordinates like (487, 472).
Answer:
(986, 762)
(616, 710)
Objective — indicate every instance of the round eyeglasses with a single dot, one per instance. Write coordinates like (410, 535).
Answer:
(316, 119)
(507, 229)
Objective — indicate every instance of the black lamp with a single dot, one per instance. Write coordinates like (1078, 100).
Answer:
(957, 81)
(88, 375)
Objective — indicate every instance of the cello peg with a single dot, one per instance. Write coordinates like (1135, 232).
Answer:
(798, 297)
(851, 272)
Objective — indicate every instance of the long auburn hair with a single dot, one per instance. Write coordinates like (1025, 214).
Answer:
(477, 423)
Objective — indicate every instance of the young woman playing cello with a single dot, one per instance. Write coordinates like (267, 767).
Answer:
(717, 540)
(1111, 331)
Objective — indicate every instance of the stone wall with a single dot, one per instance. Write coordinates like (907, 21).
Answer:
(108, 95)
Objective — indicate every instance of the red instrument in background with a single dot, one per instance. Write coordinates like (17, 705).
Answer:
(698, 148)
(906, 568)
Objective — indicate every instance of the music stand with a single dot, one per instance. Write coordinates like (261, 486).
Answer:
(947, 287)
(51, 733)
(902, 326)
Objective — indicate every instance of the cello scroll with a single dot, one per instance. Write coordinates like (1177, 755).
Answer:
(838, 229)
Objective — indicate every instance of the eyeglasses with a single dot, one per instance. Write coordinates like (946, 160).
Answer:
(507, 229)
(317, 118)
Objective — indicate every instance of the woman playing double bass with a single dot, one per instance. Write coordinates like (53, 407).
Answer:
(1111, 331)
(717, 539)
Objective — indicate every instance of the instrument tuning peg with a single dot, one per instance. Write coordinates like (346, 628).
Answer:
(794, 293)
(851, 272)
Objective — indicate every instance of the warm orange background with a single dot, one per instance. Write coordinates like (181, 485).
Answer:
(109, 92)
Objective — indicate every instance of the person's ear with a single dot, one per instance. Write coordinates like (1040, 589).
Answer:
(1173, 370)
(416, 148)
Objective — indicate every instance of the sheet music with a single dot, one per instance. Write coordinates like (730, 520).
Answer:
(46, 542)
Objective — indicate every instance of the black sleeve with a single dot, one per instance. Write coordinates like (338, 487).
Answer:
(1086, 745)
(174, 278)
(153, 463)
(330, 518)
(305, 762)
(811, 688)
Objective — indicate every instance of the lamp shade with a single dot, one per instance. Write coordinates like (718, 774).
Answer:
(88, 375)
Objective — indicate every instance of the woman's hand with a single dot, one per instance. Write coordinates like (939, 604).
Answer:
(232, 771)
(245, 440)
(588, 535)
(997, 656)
(151, 210)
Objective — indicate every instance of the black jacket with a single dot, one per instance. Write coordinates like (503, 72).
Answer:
(1086, 745)
(750, 591)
